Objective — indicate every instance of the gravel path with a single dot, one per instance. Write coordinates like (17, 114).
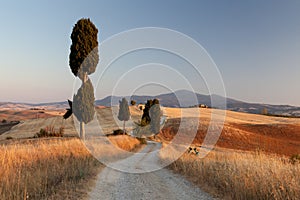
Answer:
(160, 184)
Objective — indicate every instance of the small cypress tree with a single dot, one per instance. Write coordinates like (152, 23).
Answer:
(155, 114)
(150, 122)
(146, 119)
(146, 116)
(124, 113)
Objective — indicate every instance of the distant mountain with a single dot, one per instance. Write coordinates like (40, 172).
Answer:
(185, 98)
(180, 98)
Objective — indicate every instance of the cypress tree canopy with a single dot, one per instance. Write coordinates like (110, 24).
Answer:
(146, 117)
(132, 102)
(83, 102)
(124, 113)
(84, 55)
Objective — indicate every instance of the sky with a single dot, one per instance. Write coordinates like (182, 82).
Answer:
(254, 44)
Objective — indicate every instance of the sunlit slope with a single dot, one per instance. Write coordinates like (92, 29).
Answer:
(107, 121)
(240, 130)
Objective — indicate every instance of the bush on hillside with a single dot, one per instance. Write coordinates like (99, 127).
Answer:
(118, 132)
(132, 102)
(142, 140)
(50, 131)
(9, 138)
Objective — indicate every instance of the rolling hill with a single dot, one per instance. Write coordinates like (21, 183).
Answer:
(187, 99)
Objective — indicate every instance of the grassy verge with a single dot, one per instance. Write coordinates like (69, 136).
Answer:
(48, 169)
(241, 175)
(125, 142)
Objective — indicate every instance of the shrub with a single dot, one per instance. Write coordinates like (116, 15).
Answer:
(4, 121)
(142, 140)
(146, 119)
(50, 131)
(9, 138)
(118, 132)
(132, 102)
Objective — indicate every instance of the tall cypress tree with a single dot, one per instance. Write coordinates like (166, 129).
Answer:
(83, 61)
(124, 113)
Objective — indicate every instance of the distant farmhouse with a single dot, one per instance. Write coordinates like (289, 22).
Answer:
(202, 106)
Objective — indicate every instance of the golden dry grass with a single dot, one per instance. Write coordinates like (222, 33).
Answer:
(229, 174)
(236, 175)
(125, 142)
(253, 161)
(49, 168)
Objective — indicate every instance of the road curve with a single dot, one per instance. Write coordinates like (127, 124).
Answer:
(160, 184)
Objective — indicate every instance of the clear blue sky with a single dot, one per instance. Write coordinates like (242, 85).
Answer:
(255, 44)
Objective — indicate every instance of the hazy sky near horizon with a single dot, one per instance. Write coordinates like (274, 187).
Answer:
(255, 44)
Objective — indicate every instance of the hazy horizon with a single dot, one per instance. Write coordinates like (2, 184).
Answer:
(140, 94)
(255, 45)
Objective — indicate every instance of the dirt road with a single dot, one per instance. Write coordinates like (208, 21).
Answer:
(140, 184)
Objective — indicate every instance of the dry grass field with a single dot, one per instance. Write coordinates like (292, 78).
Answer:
(250, 160)
(242, 131)
(30, 125)
(241, 175)
(51, 168)
(39, 169)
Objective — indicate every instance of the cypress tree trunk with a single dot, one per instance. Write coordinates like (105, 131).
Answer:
(124, 127)
(85, 77)
(82, 131)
